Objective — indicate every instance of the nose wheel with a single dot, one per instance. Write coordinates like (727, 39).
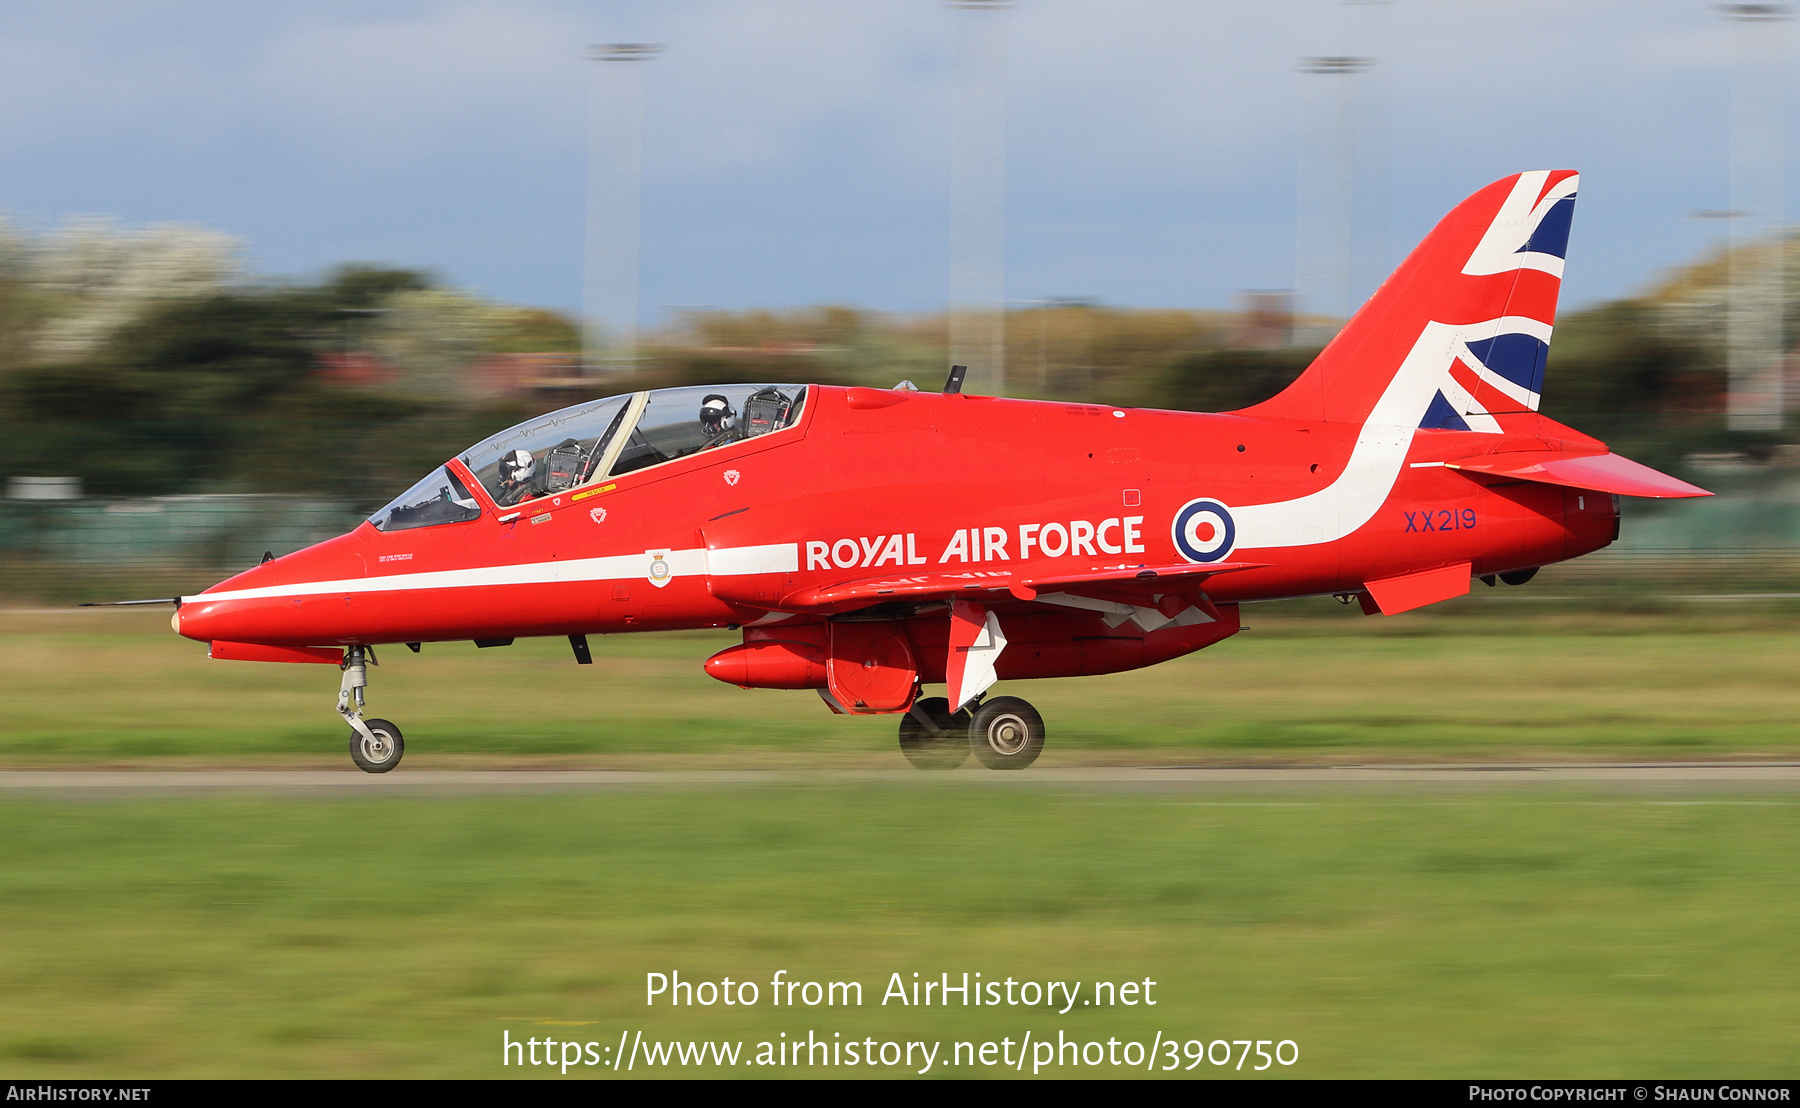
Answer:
(375, 744)
(379, 750)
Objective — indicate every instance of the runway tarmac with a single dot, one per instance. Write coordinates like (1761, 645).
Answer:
(1678, 777)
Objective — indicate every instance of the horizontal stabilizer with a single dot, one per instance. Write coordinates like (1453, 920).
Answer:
(1599, 472)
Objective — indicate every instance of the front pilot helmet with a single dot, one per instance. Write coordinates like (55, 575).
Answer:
(521, 463)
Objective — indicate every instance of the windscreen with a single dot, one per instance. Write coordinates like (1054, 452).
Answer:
(439, 498)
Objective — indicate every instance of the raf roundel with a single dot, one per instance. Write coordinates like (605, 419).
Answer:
(1204, 531)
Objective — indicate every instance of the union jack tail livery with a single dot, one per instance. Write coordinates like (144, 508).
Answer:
(870, 542)
(1458, 337)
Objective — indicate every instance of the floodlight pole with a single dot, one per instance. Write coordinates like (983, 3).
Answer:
(1326, 210)
(978, 195)
(1368, 28)
(615, 206)
(1757, 252)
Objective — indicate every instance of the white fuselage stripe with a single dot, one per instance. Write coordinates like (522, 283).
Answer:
(1340, 508)
(728, 562)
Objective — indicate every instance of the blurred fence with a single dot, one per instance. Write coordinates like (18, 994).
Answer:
(1651, 574)
(1746, 540)
(1734, 520)
(57, 549)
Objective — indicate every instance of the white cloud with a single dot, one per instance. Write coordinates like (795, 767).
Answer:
(798, 149)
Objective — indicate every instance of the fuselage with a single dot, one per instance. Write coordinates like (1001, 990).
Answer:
(869, 483)
(869, 542)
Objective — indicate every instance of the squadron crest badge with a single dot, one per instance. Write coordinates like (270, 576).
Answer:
(659, 573)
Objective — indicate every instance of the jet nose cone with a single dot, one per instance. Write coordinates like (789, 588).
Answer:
(278, 601)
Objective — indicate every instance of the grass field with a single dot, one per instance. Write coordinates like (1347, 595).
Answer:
(1500, 933)
(1508, 934)
(1479, 679)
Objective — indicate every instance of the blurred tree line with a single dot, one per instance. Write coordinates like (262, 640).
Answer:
(148, 365)
(223, 393)
(1619, 372)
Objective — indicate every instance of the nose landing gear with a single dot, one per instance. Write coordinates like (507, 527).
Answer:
(376, 744)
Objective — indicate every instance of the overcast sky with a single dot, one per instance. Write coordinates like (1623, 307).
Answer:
(797, 151)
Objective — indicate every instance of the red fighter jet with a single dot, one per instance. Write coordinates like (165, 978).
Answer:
(869, 541)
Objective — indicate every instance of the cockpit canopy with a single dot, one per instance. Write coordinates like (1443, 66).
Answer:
(599, 439)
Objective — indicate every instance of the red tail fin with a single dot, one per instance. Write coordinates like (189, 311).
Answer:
(1457, 337)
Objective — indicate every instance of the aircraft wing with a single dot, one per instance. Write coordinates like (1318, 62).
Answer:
(974, 584)
(1140, 580)
(965, 584)
(1600, 472)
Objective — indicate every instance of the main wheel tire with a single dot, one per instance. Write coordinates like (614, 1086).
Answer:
(945, 750)
(1006, 733)
(381, 755)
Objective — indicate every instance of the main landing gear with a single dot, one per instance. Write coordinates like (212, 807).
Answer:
(1003, 733)
(932, 738)
(375, 744)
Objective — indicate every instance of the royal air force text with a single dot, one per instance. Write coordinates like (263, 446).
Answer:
(1077, 538)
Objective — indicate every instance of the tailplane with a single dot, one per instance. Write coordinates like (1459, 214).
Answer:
(1458, 336)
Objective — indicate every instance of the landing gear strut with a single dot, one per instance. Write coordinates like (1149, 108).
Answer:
(375, 745)
(1004, 733)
